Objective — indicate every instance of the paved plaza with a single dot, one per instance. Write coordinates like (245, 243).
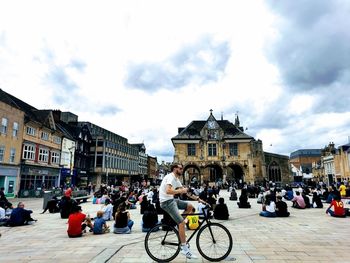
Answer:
(306, 236)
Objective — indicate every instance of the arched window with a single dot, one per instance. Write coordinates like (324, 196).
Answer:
(274, 172)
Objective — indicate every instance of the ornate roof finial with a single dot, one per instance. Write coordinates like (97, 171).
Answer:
(211, 112)
(237, 124)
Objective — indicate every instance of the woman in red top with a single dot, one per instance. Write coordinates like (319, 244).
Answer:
(338, 205)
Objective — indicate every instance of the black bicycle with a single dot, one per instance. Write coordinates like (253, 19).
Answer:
(214, 241)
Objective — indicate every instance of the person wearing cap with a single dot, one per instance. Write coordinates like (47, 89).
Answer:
(77, 222)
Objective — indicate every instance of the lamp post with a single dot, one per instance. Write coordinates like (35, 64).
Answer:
(71, 163)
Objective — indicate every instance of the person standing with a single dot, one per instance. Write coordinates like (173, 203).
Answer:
(342, 189)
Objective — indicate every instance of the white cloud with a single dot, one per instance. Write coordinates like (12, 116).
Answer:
(76, 56)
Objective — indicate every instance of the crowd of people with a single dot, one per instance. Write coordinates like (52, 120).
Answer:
(117, 201)
(273, 204)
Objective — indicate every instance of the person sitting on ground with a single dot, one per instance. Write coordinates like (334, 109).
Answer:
(52, 206)
(211, 201)
(233, 195)
(298, 201)
(289, 194)
(268, 208)
(66, 205)
(132, 200)
(338, 205)
(20, 216)
(149, 218)
(203, 210)
(260, 198)
(243, 200)
(221, 211)
(306, 200)
(116, 204)
(107, 210)
(4, 199)
(281, 208)
(316, 200)
(3, 217)
(100, 226)
(325, 194)
(77, 222)
(123, 223)
(144, 204)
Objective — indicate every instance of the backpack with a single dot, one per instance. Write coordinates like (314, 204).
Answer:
(193, 222)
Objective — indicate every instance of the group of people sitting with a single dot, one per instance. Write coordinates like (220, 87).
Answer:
(274, 206)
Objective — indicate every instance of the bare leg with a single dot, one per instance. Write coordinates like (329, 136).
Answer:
(182, 233)
(189, 210)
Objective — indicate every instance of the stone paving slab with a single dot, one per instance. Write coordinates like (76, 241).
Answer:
(306, 236)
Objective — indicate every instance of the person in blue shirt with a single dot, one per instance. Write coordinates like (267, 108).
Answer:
(20, 216)
(100, 226)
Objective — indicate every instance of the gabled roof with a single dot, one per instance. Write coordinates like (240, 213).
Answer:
(65, 130)
(192, 131)
(6, 98)
(44, 117)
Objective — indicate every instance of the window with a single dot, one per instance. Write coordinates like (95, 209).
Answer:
(2, 153)
(30, 131)
(191, 149)
(43, 155)
(28, 152)
(56, 139)
(274, 172)
(3, 126)
(55, 157)
(12, 155)
(233, 147)
(15, 129)
(212, 149)
(45, 136)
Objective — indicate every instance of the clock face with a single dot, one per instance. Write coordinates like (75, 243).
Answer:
(211, 125)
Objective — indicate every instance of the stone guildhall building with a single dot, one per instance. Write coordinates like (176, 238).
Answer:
(218, 150)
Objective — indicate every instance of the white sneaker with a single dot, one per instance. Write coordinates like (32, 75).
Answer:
(186, 251)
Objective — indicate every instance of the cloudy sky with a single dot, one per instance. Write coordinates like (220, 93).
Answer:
(144, 68)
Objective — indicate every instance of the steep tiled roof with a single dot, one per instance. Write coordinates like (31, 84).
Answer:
(6, 98)
(192, 131)
(31, 113)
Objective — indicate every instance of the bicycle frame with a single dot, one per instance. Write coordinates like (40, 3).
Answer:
(205, 220)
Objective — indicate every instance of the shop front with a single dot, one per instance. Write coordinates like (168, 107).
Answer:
(8, 179)
(35, 179)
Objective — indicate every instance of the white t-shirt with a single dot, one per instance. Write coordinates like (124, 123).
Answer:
(2, 213)
(150, 196)
(271, 208)
(173, 181)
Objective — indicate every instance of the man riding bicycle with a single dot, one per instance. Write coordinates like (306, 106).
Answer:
(169, 187)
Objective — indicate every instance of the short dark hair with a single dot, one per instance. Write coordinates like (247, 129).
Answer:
(174, 165)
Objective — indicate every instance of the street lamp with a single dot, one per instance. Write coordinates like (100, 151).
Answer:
(71, 163)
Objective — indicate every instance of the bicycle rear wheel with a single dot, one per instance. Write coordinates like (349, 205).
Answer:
(214, 242)
(162, 243)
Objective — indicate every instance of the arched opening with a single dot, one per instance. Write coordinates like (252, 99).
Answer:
(235, 174)
(191, 174)
(274, 172)
(214, 173)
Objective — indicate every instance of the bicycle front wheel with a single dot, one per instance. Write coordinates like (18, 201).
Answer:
(214, 242)
(162, 243)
